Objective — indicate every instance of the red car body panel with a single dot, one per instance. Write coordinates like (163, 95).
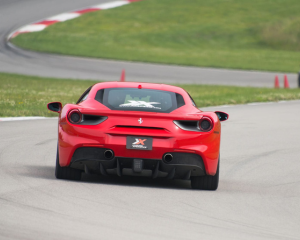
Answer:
(112, 133)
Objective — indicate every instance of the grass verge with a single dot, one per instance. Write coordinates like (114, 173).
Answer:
(28, 96)
(239, 34)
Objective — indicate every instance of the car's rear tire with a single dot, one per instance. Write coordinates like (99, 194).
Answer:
(206, 182)
(66, 172)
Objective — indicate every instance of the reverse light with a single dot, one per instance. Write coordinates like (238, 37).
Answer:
(75, 116)
(205, 124)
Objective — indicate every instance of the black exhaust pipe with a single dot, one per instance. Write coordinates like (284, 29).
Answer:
(168, 157)
(108, 154)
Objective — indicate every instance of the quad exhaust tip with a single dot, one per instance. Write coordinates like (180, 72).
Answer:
(108, 154)
(168, 158)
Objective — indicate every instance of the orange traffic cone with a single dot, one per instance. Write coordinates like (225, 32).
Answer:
(286, 82)
(276, 84)
(122, 79)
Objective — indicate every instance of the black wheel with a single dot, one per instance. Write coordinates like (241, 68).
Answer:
(206, 182)
(66, 172)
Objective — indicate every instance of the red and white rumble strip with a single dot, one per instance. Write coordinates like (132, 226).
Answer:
(41, 25)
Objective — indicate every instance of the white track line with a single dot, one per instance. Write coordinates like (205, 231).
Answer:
(8, 119)
(252, 104)
(63, 17)
(104, 6)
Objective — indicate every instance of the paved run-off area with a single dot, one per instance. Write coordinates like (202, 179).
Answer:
(257, 198)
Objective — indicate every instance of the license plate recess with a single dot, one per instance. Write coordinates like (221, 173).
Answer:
(139, 143)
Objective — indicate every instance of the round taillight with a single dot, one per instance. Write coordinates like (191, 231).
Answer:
(75, 116)
(205, 124)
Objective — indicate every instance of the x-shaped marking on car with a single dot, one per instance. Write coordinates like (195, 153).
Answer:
(139, 141)
(133, 103)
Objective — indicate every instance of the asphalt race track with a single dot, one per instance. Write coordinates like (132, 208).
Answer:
(17, 13)
(258, 195)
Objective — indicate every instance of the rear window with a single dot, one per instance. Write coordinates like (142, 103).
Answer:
(133, 99)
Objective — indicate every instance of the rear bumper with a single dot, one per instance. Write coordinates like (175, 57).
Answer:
(204, 145)
(93, 160)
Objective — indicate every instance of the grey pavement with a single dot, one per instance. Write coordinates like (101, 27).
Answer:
(258, 195)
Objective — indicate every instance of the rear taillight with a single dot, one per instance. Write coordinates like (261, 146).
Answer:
(75, 116)
(205, 124)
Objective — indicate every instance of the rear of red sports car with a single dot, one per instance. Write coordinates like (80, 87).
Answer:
(138, 129)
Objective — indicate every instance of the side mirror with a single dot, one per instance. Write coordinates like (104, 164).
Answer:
(54, 106)
(222, 116)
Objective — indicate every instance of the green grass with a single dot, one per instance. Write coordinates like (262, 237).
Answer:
(28, 96)
(238, 34)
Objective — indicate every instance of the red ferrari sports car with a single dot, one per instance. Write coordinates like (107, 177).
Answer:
(138, 129)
